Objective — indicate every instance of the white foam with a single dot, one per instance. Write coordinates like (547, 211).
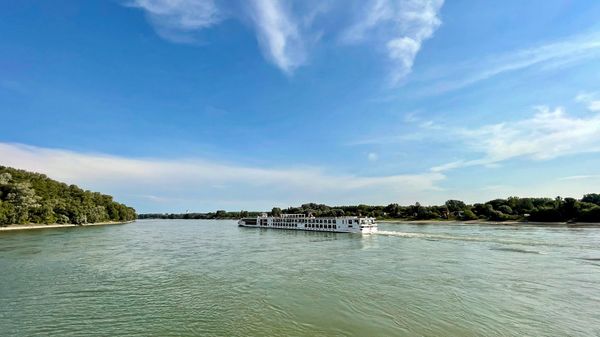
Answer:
(462, 238)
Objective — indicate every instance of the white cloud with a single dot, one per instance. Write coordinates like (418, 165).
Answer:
(548, 56)
(548, 134)
(372, 156)
(581, 177)
(591, 100)
(166, 185)
(175, 20)
(285, 30)
(277, 31)
(401, 26)
(278, 34)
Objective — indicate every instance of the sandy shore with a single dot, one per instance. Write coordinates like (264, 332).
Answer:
(43, 226)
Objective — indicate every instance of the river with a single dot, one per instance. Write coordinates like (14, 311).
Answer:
(212, 278)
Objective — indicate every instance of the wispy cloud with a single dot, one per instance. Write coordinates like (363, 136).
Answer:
(550, 133)
(552, 55)
(581, 177)
(286, 30)
(401, 26)
(590, 99)
(278, 34)
(177, 20)
(204, 185)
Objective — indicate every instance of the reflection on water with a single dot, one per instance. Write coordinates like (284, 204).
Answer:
(212, 278)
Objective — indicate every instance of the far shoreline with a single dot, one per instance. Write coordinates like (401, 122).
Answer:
(489, 222)
(44, 226)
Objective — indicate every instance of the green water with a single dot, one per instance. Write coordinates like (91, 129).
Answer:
(211, 278)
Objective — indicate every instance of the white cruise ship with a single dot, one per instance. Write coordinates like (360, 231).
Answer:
(341, 224)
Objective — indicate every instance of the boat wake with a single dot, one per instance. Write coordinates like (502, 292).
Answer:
(433, 236)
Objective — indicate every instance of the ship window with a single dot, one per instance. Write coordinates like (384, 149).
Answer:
(349, 226)
(334, 226)
(349, 222)
(334, 221)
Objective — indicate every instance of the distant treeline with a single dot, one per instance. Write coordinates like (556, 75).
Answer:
(211, 215)
(27, 197)
(558, 209)
(586, 209)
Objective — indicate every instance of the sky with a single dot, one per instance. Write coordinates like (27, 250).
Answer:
(198, 105)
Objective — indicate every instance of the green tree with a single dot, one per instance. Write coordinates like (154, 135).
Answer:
(455, 205)
(33, 197)
(276, 211)
(594, 198)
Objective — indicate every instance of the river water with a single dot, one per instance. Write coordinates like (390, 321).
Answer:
(212, 278)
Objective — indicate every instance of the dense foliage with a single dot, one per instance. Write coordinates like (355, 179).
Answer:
(532, 209)
(27, 197)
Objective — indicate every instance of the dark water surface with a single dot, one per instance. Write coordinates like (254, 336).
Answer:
(211, 278)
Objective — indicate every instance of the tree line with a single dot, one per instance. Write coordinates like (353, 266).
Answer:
(27, 197)
(220, 214)
(586, 209)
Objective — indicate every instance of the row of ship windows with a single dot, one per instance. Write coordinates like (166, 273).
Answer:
(321, 226)
(293, 225)
(311, 221)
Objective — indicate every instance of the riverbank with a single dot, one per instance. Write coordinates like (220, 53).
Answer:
(44, 226)
(488, 222)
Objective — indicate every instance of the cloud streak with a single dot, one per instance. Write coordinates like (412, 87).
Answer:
(159, 185)
(549, 133)
(176, 20)
(402, 26)
(286, 30)
(278, 34)
(547, 56)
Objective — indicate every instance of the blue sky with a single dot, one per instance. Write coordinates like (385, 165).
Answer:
(175, 105)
